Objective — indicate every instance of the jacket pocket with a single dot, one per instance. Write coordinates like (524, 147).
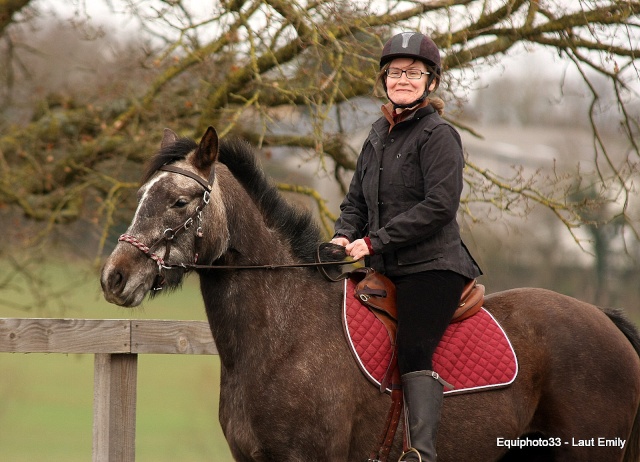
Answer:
(421, 252)
(410, 169)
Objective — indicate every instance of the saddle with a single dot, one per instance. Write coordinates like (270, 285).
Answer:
(378, 292)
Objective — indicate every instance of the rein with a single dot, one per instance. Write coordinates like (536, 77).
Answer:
(170, 234)
(257, 267)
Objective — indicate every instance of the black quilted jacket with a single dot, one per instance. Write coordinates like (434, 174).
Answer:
(405, 195)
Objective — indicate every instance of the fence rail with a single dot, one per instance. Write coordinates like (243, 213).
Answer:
(116, 344)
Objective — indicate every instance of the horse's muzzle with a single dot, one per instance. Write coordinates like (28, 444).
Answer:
(123, 287)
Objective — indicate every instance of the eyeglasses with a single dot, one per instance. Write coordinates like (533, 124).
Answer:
(412, 74)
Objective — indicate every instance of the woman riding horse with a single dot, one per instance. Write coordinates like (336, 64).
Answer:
(400, 213)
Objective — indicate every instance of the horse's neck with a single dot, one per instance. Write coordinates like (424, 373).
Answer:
(237, 230)
(256, 315)
(251, 242)
(250, 306)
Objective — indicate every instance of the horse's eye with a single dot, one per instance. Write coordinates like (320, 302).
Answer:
(180, 203)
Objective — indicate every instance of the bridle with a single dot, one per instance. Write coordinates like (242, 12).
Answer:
(170, 234)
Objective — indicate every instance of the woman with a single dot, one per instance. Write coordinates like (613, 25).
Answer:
(400, 213)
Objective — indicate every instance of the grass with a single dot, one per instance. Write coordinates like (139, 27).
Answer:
(46, 401)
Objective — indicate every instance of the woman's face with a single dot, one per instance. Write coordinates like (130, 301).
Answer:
(404, 90)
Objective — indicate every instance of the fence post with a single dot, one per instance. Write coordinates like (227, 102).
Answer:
(114, 407)
(116, 344)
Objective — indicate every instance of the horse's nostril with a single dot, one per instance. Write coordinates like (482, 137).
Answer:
(115, 281)
(117, 278)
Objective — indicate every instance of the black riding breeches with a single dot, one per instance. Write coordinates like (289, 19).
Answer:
(426, 303)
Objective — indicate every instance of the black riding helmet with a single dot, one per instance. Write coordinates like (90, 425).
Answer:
(417, 46)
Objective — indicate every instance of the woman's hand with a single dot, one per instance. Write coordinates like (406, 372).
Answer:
(358, 249)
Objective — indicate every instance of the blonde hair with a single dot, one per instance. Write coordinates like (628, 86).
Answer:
(438, 104)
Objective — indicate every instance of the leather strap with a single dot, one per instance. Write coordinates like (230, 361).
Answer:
(324, 273)
(173, 169)
(369, 291)
(385, 440)
(256, 267)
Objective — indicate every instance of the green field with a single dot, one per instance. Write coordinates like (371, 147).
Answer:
(46, 401)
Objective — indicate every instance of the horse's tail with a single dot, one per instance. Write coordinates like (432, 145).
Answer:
(627, 327)
(632, 453)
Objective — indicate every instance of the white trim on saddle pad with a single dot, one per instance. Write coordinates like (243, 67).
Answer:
(496, 385)
(352, 346)
(444, 375)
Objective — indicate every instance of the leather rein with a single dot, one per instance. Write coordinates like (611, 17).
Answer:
(195, 218)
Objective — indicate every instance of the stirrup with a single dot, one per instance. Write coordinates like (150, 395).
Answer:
(409, 451)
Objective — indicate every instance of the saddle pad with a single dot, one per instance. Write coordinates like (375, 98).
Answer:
(473, 355)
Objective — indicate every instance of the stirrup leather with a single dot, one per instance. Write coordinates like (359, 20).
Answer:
(410, 451)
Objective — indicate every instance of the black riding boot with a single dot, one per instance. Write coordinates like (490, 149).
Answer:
(422, 403)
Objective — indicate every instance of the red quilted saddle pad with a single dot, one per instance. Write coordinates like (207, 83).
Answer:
(473, 355)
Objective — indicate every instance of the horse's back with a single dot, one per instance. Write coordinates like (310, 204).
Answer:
(572, 335)
(560, 320)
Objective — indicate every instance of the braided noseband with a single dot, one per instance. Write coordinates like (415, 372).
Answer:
(143, 248)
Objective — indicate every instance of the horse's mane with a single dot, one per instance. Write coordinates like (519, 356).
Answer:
(167, 155)
(295, 224)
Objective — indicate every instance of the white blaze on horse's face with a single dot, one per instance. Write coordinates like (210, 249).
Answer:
(144, 196)
(129, 274)
(164, 202)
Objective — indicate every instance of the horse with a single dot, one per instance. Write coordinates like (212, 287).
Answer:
(290, 389)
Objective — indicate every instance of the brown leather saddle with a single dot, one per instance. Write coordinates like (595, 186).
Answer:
(378, 292)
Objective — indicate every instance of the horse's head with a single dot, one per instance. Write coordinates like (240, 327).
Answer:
(178, 189)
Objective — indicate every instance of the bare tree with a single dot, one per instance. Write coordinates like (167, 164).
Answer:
(236, 62)
(7, 10)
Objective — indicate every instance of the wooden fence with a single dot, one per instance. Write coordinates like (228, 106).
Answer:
(116, 344)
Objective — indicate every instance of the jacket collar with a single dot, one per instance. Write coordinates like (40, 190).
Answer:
(382, 126)
(394, 118)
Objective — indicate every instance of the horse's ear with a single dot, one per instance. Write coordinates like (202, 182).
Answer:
(169, 137)
(207, 151)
